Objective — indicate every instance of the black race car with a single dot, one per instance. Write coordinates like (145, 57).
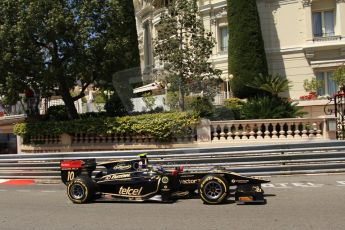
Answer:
(136, 180)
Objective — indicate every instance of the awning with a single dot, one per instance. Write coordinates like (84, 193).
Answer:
(147, 87)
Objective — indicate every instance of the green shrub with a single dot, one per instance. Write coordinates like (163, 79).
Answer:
(116, 106)
(92, 114)
(270, 108)
(235, 104)
(161, 126)
(100, 98)
(200, 106)
(247, 57)
(149, 100)
(57, 113)
(223, 113)
(171, 100)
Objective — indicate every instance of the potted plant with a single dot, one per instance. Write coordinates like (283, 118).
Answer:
(311, 87)
(339, 77)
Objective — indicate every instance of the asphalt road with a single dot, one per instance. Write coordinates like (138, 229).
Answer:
(296, 202)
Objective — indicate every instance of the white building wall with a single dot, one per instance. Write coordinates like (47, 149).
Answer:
(291, 49)
(139, 104)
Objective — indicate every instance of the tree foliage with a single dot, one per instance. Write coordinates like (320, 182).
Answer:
(270, 108)
(246, 53)
(118, 106)
(273, 84)
(50, 46)
(312, 85)
(149, 100)
(339, 76)
(185, 47)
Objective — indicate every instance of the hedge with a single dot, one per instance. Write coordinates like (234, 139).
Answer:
(161, 126)
(247, 57)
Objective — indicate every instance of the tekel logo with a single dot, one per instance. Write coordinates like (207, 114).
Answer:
(130, 191)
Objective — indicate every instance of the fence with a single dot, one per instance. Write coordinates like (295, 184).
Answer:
(312, 157)
(206, 133)
(259, 130)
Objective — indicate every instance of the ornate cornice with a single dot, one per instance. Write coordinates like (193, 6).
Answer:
(307, 3)
(220, 14)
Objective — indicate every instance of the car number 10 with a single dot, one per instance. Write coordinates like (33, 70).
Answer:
(70, 175)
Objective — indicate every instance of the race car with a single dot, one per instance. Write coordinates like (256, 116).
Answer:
(137, 180)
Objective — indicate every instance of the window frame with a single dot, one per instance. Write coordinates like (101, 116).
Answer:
(323, 22)
(222, 49)
(326, 74)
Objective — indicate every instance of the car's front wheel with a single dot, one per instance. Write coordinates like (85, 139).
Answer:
(81, 190)
(213, 189)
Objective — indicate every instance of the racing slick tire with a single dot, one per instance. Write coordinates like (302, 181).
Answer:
(81, 190)
(213, 189)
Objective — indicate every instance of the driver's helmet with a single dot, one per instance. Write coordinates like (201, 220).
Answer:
(143, 160)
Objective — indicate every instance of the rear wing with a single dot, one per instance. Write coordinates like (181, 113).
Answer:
(70, 169)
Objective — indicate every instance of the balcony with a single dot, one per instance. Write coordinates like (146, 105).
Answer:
(326, 38)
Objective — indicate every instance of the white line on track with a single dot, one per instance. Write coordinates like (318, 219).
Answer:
(23, 190)
(3, 190)
(341, 183)
(47, 191)
(3, 181)
(282, 187)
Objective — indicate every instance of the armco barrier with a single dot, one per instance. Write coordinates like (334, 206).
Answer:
(311, 157)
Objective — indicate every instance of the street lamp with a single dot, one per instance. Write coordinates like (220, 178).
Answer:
(230, 77)
(227, 79)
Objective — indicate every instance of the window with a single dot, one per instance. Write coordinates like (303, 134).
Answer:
(328, 85)
(323, 23)
(224, 37)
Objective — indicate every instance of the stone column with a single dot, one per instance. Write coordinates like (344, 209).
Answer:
(308, 20)
(340, 18)
(19, 144)
(330, 128)
(66, 139)
(203, 131)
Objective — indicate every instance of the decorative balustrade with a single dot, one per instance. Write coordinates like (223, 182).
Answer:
(262, 130)
(326, 38)
(110, 140)
(45, 140)
(219, 133)
(126, 139)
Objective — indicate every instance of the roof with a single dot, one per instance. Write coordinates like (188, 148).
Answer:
(147, 87)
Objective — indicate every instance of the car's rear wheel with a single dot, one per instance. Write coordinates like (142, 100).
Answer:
(81, 190)
(213, 189)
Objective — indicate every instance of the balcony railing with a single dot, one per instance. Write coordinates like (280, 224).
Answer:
(270, 129)
(326, 38)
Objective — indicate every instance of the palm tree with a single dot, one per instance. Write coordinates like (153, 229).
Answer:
(271, 84)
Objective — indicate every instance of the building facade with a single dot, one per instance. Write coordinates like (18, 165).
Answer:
(304, 39)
